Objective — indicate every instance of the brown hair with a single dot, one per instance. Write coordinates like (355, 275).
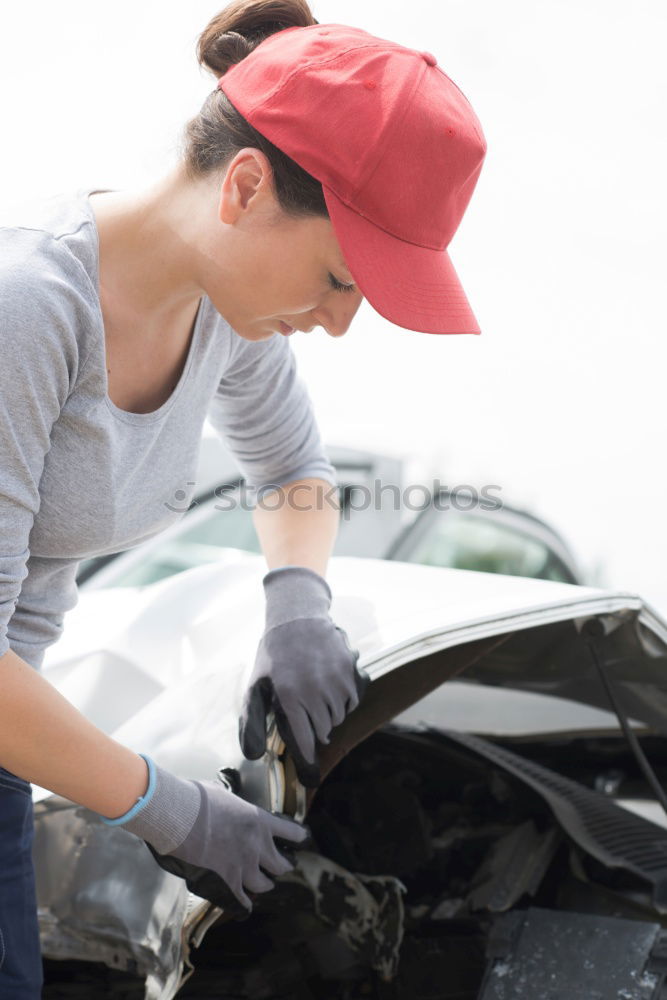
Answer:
(218, 131)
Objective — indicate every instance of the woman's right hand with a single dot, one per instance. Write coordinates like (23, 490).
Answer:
(206, 825)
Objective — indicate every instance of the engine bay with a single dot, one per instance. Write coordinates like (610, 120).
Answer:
(453, 867)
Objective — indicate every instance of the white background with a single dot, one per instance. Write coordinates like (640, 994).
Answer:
(561, 400)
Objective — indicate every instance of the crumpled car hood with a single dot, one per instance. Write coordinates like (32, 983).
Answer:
(164, 669)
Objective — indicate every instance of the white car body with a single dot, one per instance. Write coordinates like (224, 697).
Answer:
(163, 669)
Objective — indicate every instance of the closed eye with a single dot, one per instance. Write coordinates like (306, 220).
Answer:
(339, 286)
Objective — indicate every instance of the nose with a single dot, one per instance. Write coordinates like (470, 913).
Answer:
(336, 314)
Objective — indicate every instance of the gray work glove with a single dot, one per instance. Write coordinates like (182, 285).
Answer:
(212, 837)
(305, 671)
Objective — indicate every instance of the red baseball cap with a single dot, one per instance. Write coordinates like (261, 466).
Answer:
(394, 143)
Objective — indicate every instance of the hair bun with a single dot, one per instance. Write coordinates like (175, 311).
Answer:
(234, 32)
(226, 50)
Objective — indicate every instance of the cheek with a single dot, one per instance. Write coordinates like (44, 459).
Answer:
(283, 277)
(287, 291)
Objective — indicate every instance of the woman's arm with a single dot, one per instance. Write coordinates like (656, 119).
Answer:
(298, 523)
(44, 739)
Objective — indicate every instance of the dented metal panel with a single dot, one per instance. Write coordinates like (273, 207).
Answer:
(183, 650)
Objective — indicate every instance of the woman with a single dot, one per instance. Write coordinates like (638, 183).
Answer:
(326, 166)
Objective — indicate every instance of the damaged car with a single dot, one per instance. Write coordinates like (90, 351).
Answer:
(490, 821)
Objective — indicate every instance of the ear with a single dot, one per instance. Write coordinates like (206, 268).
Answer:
(247, 187)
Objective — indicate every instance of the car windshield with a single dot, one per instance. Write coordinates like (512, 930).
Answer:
(217, 528)
(205, 541)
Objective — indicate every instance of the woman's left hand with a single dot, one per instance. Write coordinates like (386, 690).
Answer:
(305, 671)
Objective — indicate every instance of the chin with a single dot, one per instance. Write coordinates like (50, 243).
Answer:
(254, 334)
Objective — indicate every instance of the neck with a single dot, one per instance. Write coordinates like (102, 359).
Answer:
(153, 246)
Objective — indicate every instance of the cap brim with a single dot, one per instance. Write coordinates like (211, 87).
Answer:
(413, 287)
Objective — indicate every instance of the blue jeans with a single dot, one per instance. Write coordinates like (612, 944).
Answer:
(20, 957)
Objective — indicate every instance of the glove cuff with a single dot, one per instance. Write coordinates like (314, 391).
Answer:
(295, 592)
(165, 816)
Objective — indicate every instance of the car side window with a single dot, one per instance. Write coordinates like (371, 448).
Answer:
(464, 541)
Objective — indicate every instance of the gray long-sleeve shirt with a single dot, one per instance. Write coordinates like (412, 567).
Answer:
(78, 475)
